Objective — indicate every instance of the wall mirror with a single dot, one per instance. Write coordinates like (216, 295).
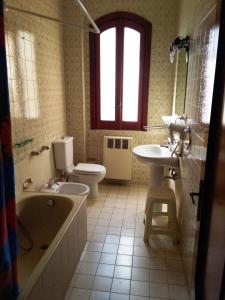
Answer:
(179, 54)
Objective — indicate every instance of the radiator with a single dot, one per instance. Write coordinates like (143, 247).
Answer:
(117, 157)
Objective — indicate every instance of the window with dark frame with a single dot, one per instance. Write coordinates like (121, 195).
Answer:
(119, 72)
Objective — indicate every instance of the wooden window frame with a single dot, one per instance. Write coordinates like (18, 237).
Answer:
(120, 20)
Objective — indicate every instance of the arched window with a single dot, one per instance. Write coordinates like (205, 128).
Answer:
(119, 72)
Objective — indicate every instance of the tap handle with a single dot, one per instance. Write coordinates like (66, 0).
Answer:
(193, 195)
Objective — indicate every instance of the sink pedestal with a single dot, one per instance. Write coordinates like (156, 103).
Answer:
(156, 175)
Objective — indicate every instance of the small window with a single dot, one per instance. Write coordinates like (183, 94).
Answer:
(119, 72)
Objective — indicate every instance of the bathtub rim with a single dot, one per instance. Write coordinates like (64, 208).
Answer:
(31, 282)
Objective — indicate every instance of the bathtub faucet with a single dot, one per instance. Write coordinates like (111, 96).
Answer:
(27, 183)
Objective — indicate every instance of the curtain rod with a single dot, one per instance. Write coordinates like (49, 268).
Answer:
(85, 12)
(95, 28)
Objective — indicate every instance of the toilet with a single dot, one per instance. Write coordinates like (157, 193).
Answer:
(89, 174)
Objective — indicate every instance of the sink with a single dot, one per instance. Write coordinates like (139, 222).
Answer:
(156, 158)
(154, 154)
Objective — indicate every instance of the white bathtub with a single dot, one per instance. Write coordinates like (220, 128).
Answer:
(62, 228)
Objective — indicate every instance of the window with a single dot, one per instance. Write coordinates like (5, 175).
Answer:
(119, 72)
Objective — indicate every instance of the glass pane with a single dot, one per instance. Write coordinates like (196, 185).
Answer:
(131, 69)
(107, 74)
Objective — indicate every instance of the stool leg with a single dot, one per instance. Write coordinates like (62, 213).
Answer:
(174, 225)
(146, 205)
(148, 223)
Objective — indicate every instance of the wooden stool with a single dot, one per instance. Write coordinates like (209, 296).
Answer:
(161, 195)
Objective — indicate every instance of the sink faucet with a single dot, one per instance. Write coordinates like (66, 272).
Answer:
(167, 144)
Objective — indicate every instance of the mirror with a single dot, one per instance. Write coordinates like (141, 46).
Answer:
(180, 80)
(179, 53)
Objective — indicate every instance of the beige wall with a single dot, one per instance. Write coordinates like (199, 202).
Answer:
(88, 143)
(36, 86)
(196, 18)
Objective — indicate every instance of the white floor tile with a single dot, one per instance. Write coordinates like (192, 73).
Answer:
(105, 216)
(176, 278)
(114, 296)
(122, 272)
(108, 258)
(158, 276)
(142, 251)
(121, 286)
(141, 262)
(127, 232)
(127, 250)
(98, 237)
(100, 229)
(140, 274)
(88, 268)
(174, 265)
(159, 290)
(110, 248)
(79, 294)
(157, 264)
(94, 246)
(112, 239)
(116, 263)
(92, 257)
(84, 281)
(102, 283)
(102, 222)
(114, 230)
(132, 297)
(124, 260)
(105, 270)
(178, 292)
(139, 288)
(96, 295)
(125, 240)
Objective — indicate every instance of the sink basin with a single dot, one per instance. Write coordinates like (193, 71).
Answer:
(154, 154)
(68, 188)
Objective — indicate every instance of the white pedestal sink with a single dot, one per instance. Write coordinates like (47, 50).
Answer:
(157, 158)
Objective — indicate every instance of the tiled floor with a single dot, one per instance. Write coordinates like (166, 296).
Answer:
(116, 264)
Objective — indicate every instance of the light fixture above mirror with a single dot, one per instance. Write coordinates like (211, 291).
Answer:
(179, 43)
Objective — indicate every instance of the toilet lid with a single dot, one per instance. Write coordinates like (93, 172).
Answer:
(89, 168)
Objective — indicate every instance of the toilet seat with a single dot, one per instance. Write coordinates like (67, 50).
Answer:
(84, 168)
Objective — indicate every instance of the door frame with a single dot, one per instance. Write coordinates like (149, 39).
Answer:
(211, 159)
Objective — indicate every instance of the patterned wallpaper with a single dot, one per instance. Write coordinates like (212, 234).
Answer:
(197, 19)
(88, 143)
(36, 86)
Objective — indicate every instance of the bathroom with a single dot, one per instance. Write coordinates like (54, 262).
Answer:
(50, 88)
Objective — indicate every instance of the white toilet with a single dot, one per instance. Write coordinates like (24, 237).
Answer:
(89, 174)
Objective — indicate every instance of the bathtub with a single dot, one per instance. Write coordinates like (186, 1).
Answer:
(58, 227)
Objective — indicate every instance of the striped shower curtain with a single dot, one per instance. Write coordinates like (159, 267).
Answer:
(8, 242)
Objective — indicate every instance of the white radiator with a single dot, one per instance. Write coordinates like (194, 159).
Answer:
(117, 157)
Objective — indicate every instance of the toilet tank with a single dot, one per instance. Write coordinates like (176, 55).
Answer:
(63, 153)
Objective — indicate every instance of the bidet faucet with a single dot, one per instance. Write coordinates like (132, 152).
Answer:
(52, 181)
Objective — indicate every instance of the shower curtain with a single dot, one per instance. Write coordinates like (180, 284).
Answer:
(8, 241)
